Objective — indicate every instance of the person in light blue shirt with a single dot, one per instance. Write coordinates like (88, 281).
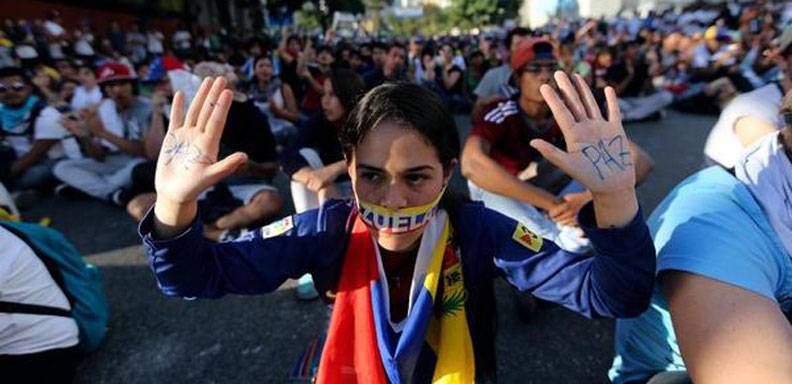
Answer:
(724, 277)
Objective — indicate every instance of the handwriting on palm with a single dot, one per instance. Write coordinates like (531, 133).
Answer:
(187, 163)
(598, 154)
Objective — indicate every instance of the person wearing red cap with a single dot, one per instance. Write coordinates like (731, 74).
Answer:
(511, 177)
(495, 83)
(115, 134)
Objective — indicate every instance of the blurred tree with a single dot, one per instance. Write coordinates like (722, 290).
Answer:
(376, 6)
(308, 17)
(434, 21)
(467, 14)
(510, 10)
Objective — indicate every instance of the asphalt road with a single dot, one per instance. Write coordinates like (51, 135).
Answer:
(154, 339)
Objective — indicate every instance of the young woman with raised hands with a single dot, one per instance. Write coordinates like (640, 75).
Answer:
(407, 265)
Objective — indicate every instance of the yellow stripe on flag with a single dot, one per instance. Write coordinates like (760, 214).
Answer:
(449, 335)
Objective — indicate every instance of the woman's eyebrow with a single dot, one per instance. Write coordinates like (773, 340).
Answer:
(370, 168)
(419, 168)
(408, 170)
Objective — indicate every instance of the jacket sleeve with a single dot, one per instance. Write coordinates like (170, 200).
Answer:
(615, 280)
(191, 266)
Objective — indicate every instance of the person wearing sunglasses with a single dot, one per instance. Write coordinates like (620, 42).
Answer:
(511, 177)
(30, 134)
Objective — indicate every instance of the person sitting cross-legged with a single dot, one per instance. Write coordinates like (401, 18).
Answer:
(115, 132)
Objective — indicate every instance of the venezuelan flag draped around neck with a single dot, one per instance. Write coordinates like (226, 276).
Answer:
(362, 347)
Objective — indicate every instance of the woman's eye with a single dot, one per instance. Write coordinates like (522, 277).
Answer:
(416, 179)
(371, 177)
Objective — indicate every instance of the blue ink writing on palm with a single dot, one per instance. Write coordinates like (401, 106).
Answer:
(174, 148)
(191, 153)
(601, 156)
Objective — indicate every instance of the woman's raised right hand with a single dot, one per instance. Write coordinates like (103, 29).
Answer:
(188, 164)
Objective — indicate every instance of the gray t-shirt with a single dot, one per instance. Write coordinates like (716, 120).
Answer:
(493, 80)
(130, 124)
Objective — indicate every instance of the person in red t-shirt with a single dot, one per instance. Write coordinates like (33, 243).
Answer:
(509, 175)
(314, 75)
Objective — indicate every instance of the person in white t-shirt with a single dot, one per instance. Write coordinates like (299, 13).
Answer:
(752, 115)
(113, 139)
(30, 134)
(87, 94)
(136, 44)
(56, 35)
(495, 83)
(33, 348)
(83, 43)
(154, 40)
(182, 42)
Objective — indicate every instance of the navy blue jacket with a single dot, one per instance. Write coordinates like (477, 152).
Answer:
(616, 281)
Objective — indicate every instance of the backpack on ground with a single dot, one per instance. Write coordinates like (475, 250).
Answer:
(80, 282)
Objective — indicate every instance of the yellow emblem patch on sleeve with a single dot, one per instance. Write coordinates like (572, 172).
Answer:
(277, 228)
(527, 238)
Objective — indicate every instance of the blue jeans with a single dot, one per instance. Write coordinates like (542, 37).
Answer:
(37, 176)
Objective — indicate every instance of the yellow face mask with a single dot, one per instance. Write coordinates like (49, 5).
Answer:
(395, 221)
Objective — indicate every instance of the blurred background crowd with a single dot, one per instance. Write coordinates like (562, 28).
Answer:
(123, 74)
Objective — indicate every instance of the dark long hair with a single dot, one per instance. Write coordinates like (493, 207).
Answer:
(419, 109)
(412, 107)
(348, 86)
(263, 56)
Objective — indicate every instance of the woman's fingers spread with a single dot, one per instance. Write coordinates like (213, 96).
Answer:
(570, 95)
(211, 102)
(177, 111)
(592, 108)
(216, 124)
(614, 113)
(221, 169)
(197, 103)
(561, 113)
